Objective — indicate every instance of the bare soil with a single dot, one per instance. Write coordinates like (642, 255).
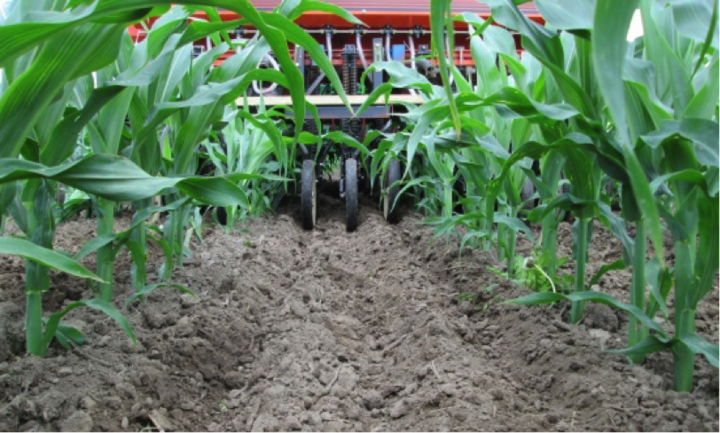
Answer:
(326, 330)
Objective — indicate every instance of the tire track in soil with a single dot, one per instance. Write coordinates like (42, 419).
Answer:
(370, 336)
(361, 341)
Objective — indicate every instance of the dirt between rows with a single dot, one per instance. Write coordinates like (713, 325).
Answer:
(375, 330)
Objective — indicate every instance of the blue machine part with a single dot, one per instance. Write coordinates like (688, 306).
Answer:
(397, 52)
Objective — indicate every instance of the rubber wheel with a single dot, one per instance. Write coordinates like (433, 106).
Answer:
(221, 214)
(351, 195)
(308, 195)
(392, 175)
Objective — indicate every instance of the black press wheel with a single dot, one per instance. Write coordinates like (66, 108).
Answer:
(308, 195)
(351, 194)
(392, 175)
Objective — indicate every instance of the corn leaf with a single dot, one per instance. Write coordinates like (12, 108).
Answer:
(546, 46)
(611, 23)
(700, 346)
(439, 17)
(617, 265)
(601, 298)
(691, 19)
(53, 321)
(120, 238)
(118, 179)
(702, 133)
(298, 36)
(85, 49)
(45, 256)
(313, 5)
(573, 16)
(647, 346)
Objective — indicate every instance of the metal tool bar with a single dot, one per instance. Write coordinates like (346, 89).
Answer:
(333, 100)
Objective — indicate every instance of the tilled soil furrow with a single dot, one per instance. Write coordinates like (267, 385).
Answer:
(375, 330)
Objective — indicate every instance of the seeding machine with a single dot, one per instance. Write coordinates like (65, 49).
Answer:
(394, 31)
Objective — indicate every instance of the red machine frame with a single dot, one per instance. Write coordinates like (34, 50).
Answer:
(403, 17)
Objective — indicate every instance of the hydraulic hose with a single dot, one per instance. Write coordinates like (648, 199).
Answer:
(360, 51)
(313, 86)
(411, 42)
(273, 86)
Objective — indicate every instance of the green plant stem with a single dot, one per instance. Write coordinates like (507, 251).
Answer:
(106, 254)
(174, 235)
(684, 365)
(549, 242)
(511, 237)
(577, 309)
(38, 201)
(636, 331)
(447, 204)
(501, 239)
(33, 322)
(183, 217)
(138, 269)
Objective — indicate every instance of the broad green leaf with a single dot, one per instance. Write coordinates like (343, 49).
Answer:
(645, 201)
(45, 256)
(112, 11)
(66, 334)
(690, 176)
(708, 248)
(84, 49)
(609, 41)
(575, 16)
(649, 345)
(711, 36)
(440, 23)
(697, 19)
(546, 46)
(515, 224)
(140, 217)
(118, 179)
(53, 321)
(705, 101)
(703, 134)
(617, 265)
(602, 298)
(700, 346)
(341, 137)
(660, 281)
(319, 6)
(297, 35)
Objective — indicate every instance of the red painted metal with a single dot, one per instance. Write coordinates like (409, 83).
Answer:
(402, 15)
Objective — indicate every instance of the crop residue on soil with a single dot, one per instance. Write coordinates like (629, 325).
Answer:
(327, 330)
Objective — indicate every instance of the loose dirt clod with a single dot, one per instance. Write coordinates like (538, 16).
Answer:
(329, 330)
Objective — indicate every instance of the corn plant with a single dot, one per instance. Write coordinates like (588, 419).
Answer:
(666, 167)
(51, 50)
(245, 145)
